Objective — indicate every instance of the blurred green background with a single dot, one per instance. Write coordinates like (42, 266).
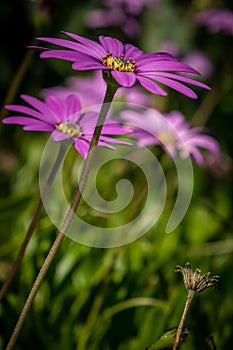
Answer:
(120, 298)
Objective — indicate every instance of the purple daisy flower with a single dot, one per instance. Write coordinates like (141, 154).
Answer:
(64, 119)
(113, 17)
(126, 63)
(133, 7)
(119, 13)
(173, 133)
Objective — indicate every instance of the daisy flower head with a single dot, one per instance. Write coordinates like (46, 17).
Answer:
(119, 13)
(64, 119)
(125, 63)
(173, 133)
(113, 17)
(131, 6)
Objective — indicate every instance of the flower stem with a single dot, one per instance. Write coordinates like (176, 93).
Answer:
(110, 92)
(183, 318)
(32, 225)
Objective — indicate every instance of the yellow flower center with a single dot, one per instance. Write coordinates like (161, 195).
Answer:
(118, 63)
(73, 130)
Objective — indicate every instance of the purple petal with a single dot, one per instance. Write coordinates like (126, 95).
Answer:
(88, 63)
(156, 56)
(26, 121)
(104, 144)
(88, 121)
(91, 46)
(197, 156)
(59, 136)
(181, 78)
(164, 65)
(37, 104)
(204, 141)
(25, 110)
(112, 45)
(114, 129)
(72, 106)
(65, 43)
(62, 54)
(82, 147)
(40, 127)
(132, 51)
(177, 86)
(56, 108)
(125, 79)
(150, 85)
(116, 141)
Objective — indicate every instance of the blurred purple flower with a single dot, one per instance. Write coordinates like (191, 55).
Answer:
(133, 7)
(113, 17)
(91, 89)
(126, 63)
(64, 119)
(216, 20)
(119, 13)
(173, 133)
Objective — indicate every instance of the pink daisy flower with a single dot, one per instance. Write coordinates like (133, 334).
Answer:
(126, 63)
(173, 133)
(64, 120)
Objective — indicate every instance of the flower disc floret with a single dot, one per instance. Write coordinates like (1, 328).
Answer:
(118, 63)
(73, 130)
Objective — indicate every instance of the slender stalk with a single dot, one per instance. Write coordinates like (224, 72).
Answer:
(32, 225)
(183, 318)
(110, 92)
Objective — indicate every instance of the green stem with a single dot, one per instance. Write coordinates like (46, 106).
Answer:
(32, 225)
(183, 318)
(110, 92)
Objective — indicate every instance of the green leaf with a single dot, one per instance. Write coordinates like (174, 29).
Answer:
(166, 341)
